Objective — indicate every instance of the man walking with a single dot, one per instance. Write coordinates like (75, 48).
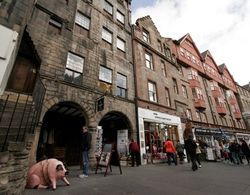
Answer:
(86, 144)
(134, 152)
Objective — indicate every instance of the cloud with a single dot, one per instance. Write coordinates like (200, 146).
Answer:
(221, 26)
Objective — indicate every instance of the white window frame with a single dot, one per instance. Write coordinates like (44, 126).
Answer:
(152, 91)
(105, 74)
(149, 61)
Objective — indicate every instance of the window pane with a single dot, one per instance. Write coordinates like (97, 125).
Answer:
(75, 62)
(122, 81)
(120, 44)
(106, 35)
(108, 7)
(82, 20)
(105, 74)
(120, 17)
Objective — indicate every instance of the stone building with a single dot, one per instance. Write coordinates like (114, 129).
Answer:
(87, 70)
(214, 111)
(21, 94)
(243, 98)
(72, 67)
(161, 90)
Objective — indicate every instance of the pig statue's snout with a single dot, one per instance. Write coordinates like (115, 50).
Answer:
(66, 173)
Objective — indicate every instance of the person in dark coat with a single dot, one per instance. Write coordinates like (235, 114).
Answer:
(190, 146)
(245, 150)
(86, 144)
(134, 152)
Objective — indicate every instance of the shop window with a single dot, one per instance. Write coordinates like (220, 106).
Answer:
(121, 85)
(74, 69)
(105, 74)
(55, 27)
(152, 92)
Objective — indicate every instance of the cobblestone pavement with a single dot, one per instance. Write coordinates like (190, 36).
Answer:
(214, 178)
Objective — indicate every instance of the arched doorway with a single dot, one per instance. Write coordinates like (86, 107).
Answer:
(116, 129)
(60, 135)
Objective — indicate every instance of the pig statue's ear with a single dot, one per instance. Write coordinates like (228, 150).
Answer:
(59, 168)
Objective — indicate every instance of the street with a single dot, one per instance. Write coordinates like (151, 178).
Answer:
(214, 178)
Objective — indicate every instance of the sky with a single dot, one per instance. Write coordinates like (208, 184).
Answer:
(220, 26)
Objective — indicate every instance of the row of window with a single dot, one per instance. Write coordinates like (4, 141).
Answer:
(164, 48)
(74, 70)
(189, 56)
(108, 7)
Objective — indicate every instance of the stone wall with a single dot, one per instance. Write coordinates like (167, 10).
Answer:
(14, 167)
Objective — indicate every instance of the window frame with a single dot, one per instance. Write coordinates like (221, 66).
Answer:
(105, 33)
(152, 93)
(121, 41)
(121, 88)
(149, 62)
(145, 36)
(101, 74)
(80, 23)
(72, 67)
(107, 6)
(118, 18)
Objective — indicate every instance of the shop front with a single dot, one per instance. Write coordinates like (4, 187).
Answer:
(207, 137)
(154, 129)
(243, 136)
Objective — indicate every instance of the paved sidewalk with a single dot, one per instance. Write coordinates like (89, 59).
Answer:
(212, 179)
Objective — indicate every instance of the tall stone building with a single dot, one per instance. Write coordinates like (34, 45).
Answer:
(162, 92)
(87, 70)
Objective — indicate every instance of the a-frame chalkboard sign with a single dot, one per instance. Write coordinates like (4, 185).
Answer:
(108, 156)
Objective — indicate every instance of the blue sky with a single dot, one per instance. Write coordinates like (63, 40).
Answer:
(220, 26)
(141, 3)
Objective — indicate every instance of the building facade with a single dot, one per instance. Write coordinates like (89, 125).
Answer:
(161, 91)
(243, 98)
(87, 71)
(214, 112)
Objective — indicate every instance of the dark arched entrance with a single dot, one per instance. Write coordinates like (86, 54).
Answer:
(61, 133)
(113, 122)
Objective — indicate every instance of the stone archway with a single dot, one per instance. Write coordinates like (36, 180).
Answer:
(113, 123)
(61, 133)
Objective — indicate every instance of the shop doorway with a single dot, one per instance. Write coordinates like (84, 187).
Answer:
(61, 133)
(114, 124)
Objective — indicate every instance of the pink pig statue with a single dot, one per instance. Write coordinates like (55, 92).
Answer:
(45, 174)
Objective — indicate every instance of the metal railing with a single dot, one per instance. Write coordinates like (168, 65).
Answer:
(20, 113)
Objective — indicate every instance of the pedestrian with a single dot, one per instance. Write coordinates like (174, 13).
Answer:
(234, 151)
(85, 147)
(190, 147)
(180, 151)
(245, 150)
(171, 151)
(198, 153)
(134, 152)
